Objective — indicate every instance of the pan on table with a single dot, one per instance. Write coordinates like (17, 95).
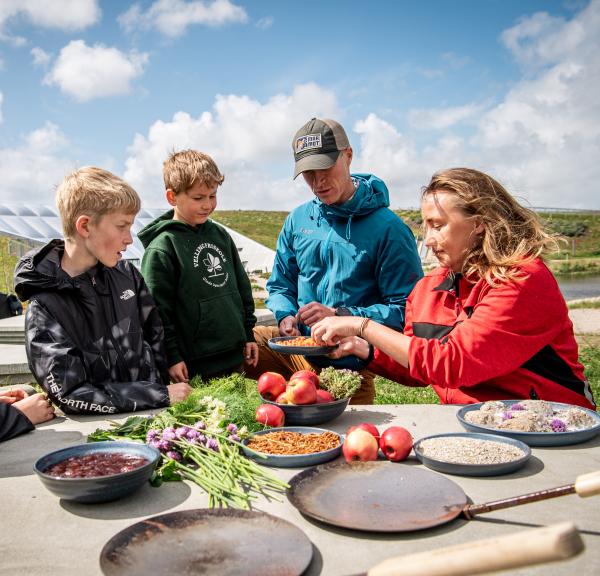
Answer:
(388, 497)
(219, 542)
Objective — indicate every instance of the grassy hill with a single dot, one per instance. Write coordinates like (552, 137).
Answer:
(580, 229)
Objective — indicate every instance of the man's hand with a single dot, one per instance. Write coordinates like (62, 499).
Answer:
(179, 372)
(311, 313)
(179, 391)
(351, 345)
(251, 354)
(289, 326)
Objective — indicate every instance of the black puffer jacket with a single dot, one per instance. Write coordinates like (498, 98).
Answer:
(94, 342)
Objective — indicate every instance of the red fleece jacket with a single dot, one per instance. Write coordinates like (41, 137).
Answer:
(473, 343)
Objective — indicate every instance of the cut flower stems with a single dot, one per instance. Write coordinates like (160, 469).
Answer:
(199, 440)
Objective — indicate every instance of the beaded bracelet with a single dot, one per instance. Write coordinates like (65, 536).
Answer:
(363, 325)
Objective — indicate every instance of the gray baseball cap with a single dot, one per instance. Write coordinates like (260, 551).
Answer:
(317, 145)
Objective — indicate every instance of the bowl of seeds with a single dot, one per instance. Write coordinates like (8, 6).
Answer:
(293, 446)
(472, 454)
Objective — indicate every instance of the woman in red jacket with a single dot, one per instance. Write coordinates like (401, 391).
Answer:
(490, 323)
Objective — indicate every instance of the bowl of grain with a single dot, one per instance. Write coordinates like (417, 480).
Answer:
(293, 446)
(472, 454)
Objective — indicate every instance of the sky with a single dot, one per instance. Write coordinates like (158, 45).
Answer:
(510, 87)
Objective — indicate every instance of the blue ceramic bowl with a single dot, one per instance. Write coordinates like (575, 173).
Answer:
(100, 488)
(474, 469)
(309, 414)
(293, 460)
(534, 438)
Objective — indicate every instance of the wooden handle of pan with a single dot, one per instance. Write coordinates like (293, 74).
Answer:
(588, 484)
(548, 544)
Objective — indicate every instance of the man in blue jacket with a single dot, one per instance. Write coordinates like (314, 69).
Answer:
(342, 253)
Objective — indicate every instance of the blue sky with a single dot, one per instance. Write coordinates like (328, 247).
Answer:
(507, 86)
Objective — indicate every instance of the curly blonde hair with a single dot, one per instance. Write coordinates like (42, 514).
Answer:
(182, 169)
(94, 192)
(512, 233)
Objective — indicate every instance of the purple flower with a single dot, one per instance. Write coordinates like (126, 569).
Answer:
(163, 445)
(152, 434)
(232, 428)
(173, 455)
(234, 438)
(506, 416)
(517, 406)
(192, 434)
(212, 444)
(182, 432)
(154, 442)
(200, 425)
(201, 439)
(169, 434)
(558, 425)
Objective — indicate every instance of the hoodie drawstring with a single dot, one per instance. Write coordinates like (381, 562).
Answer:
(348, 226)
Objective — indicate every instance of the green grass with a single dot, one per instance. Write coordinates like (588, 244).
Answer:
(388, 392)
(261, 225)
(584, 304)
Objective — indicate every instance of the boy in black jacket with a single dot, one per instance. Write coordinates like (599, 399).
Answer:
(195, 274)
(94, 338)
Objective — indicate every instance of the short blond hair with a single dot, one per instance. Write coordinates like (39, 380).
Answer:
(512, 233)
(182, 169)
(93, 192)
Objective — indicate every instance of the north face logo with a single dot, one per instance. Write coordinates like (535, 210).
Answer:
(127, 294)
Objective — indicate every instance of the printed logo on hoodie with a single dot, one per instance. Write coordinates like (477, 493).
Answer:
(212, 260)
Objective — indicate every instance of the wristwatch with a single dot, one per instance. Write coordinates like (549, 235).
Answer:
(342, 311)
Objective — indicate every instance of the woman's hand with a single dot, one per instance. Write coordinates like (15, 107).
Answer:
(178, 391)
(353, 345)
(12, 396)
(331, 330)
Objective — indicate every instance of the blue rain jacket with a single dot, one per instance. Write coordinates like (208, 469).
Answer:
(359, 255)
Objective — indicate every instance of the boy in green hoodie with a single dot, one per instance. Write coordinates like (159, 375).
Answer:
(196, 277)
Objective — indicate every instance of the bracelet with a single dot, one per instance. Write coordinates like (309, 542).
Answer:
(363, 325)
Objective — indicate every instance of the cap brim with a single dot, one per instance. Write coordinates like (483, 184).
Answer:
(316, 162)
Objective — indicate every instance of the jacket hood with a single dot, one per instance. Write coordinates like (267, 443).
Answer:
(40, 271)
(371, 194)
(156, 227)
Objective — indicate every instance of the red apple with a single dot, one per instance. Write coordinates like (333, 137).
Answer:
(371, 428)
(360, 445)
(301, 391)
(307, 374)
(396, 443)
(271, 385)
(282, 398)
(323, 397)
(270, 415)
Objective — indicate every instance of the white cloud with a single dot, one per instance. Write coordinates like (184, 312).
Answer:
(173, 17)
(542, 140)
(441, 118)
(66, 15)
(87, 72)
(265, 23)
(246, 138)
(40, 57)
(33, 169)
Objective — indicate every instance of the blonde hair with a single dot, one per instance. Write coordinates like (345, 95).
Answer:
(182, 169)
(94, 192)
(512, 233)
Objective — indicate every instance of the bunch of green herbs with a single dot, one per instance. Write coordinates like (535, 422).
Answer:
(339, 383)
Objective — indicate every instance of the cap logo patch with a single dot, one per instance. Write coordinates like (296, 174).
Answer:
(308, 142)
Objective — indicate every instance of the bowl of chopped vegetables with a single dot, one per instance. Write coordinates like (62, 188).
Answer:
(98, 471)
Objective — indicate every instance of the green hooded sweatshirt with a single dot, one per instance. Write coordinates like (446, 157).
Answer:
(202, 291)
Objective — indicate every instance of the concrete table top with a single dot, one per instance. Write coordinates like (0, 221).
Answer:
(42, 535)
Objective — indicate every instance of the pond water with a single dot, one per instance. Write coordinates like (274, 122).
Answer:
(577, 287)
